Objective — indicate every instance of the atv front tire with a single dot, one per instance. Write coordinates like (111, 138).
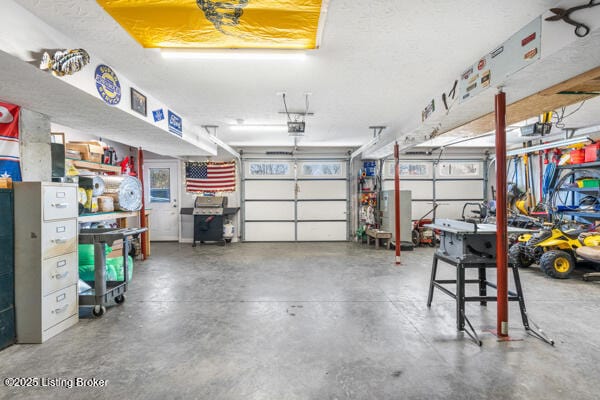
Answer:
(518, 257)
(557, 264)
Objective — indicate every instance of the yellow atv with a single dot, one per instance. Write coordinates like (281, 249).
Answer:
(553, 249)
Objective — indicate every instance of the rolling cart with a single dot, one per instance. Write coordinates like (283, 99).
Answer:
(103, 291)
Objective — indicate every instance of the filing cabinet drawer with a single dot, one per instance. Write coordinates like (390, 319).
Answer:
(59, 272)
(59, 306)
(7, 327)
(7, 290)
(58, 238)
(59, 202)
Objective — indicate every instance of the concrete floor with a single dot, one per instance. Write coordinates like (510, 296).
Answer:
(313, 321)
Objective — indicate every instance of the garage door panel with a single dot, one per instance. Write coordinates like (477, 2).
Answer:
(324, 189)
(321, 231)
(451, 209)
(420, 208)
(322, 210)
(420, 189)
(269, 190)
(269, 231)
(269, 210)
(459, 190)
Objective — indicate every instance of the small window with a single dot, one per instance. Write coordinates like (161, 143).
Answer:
(410, 169)
(160, 185)
(269, 169)
(459, 169)
(322, 169)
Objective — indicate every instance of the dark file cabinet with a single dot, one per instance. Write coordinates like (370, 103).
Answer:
(7, 269)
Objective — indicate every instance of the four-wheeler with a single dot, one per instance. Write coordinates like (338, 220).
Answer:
(553, 248)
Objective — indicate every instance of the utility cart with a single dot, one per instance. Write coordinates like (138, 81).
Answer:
(103, 291)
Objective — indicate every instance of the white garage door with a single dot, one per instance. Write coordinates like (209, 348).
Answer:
(451, 182)
(302, 200)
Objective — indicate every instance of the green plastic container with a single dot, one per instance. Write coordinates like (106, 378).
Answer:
(590, 183)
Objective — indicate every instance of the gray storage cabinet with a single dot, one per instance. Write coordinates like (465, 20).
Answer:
(46, 262)
(7, 274)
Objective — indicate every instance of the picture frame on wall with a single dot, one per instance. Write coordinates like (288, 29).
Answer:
(138, 102)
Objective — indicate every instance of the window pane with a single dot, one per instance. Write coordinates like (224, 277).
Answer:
(269, 169)
(160, 185)
(319, 169)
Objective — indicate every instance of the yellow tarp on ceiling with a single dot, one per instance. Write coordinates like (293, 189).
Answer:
(254, 24)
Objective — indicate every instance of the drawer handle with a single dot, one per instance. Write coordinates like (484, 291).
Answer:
(60, 205)
(61, 263)
(59, 240)
(61, 276)
(61, 309)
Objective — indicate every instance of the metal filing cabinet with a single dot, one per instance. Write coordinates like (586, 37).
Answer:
(7, 278)
(46, 262)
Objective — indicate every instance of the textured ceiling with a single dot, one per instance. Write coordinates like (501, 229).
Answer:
(379, 63)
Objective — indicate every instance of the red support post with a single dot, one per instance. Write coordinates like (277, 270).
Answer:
(501, 212)
(397, 199)
(143, 210)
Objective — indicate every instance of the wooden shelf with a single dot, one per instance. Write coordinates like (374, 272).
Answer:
(92, 166)
(96, 217)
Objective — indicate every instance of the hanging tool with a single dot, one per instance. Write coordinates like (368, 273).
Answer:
(581, 30)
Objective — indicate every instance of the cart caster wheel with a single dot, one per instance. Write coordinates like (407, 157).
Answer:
(98, 311)
(120, 299)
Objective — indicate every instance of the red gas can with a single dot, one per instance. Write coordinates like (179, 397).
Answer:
(592, 152)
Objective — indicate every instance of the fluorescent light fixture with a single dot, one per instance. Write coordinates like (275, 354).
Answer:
(233, 54)
(560, 143)
(258, 128)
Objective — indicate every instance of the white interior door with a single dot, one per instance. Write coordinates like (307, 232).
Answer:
(161, 187)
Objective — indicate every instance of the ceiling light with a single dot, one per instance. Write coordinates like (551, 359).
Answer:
(258, 128)
(234, 54)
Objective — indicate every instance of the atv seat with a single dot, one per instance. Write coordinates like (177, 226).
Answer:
(589, 253)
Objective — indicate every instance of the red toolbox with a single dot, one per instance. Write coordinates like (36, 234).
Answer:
(592, 152)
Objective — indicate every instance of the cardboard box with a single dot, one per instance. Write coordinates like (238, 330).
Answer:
(89, 151)
(106, 204)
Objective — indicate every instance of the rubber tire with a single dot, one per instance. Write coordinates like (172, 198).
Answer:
(547, 264)
(120, 299)
(98, 311)
(517, 257)
(416, 237)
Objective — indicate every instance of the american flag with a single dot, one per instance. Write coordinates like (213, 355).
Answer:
(203, 177)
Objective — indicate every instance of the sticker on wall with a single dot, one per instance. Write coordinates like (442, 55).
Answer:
(481, 64)
(175, 123)
(158, 115)
(530, 54)
(426, 113)
(290, 24)
(485, 78)
(108, 85)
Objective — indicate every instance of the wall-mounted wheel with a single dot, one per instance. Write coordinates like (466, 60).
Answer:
(98, 311)
(120, 299)
(557, 264)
